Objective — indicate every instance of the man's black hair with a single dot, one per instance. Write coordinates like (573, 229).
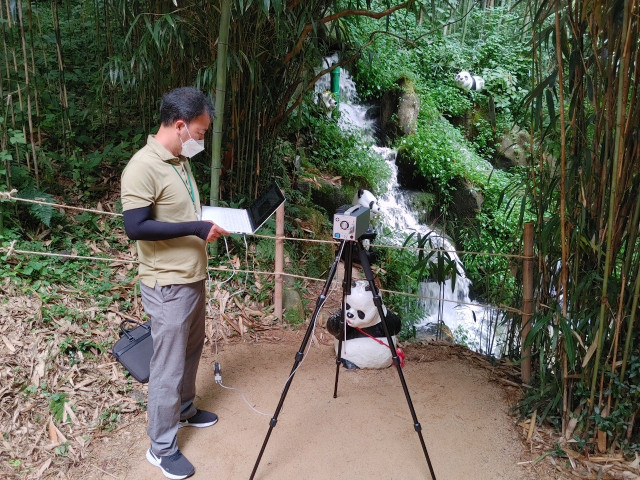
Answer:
(186, 103)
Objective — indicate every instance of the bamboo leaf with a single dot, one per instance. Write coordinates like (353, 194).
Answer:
(169, 19)
(569, 341)
(278, 6)
(536, 328)
(551, 108)
(265, 5)
(591, 350)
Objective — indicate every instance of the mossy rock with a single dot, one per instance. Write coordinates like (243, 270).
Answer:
(327, 195)
(292, 306)
(399, 108)
(467, 199)
(422, 204)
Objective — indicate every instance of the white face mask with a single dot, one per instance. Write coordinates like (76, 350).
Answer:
(191, 147)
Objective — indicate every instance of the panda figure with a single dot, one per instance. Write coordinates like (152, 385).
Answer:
(366, 199)
(327, 102)
(468, 81)
(359, 350)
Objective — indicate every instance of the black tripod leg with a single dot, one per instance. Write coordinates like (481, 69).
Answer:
(338, 362)
(346, 290)
(366, 266)
(299, 356)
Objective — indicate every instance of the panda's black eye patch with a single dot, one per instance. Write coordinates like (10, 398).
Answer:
(360, 314)
(348, 307)
(371, 204)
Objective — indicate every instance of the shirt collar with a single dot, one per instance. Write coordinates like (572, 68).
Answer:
(162, 152)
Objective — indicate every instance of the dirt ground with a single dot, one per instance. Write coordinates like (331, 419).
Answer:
(365, 433)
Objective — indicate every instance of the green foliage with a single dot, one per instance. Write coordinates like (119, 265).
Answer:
(436, 155)
(398, 273)
(461, 336)
(62, 450)
(109, 418)
(344, 153)
(56, 405)
(503, 87)
(449, 100)
(292, 317)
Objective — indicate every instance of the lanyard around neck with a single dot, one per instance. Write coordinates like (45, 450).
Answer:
(188, 187)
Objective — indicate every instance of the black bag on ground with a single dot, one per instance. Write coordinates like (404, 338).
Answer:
(134, 349)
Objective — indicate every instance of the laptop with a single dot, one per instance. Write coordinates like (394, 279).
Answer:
(249, 220)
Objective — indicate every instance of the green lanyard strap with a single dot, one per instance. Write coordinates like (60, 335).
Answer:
(188, 187)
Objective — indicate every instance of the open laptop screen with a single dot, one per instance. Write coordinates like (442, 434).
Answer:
(263, 207)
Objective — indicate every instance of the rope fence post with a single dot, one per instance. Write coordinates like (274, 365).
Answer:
(279, 262)
(527, 302)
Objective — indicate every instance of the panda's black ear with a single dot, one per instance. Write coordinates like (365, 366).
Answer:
(360, 192)
(353, 283)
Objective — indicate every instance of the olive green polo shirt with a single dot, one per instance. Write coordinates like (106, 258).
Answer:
(154, 176)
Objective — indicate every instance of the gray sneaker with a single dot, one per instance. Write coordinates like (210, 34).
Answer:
(174, 466)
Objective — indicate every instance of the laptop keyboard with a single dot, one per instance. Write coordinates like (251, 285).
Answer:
(236, 223)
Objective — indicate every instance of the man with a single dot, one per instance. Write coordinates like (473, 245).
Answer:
(161, 208)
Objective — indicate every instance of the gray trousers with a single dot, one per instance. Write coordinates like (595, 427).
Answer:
(177, 315)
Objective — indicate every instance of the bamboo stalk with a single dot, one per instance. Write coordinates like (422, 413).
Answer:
(33, 69)
(6, 56)
(630, 327)
(28, 90)
(279, 262)
(617, 157)
(527, 302)
(221, 87)
(18, 90)
(563, 220)
(64, 103)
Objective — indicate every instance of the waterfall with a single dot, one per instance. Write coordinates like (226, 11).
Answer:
(469, 322)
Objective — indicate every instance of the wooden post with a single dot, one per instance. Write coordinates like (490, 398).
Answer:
(277, 296)
(527, 302)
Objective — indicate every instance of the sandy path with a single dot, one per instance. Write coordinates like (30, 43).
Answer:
(365, 433)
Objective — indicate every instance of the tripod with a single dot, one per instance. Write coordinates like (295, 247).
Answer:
(349, 251)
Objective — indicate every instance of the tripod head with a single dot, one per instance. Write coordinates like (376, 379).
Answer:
(370, 252)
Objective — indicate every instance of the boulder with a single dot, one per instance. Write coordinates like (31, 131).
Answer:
(467, 200)
(399, 110)
(292, 305)
(434, 331)
(421, 204)
(513, 148)
(325, 194)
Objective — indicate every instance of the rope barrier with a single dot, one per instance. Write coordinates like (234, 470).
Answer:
(398, 247)
(4, 195)
(11, 248)
(11, 251)
(9, 196)
(257, 272)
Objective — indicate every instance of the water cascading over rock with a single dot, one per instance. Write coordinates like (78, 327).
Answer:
(465, 320)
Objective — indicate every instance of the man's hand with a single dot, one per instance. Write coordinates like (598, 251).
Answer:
(216, 232)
